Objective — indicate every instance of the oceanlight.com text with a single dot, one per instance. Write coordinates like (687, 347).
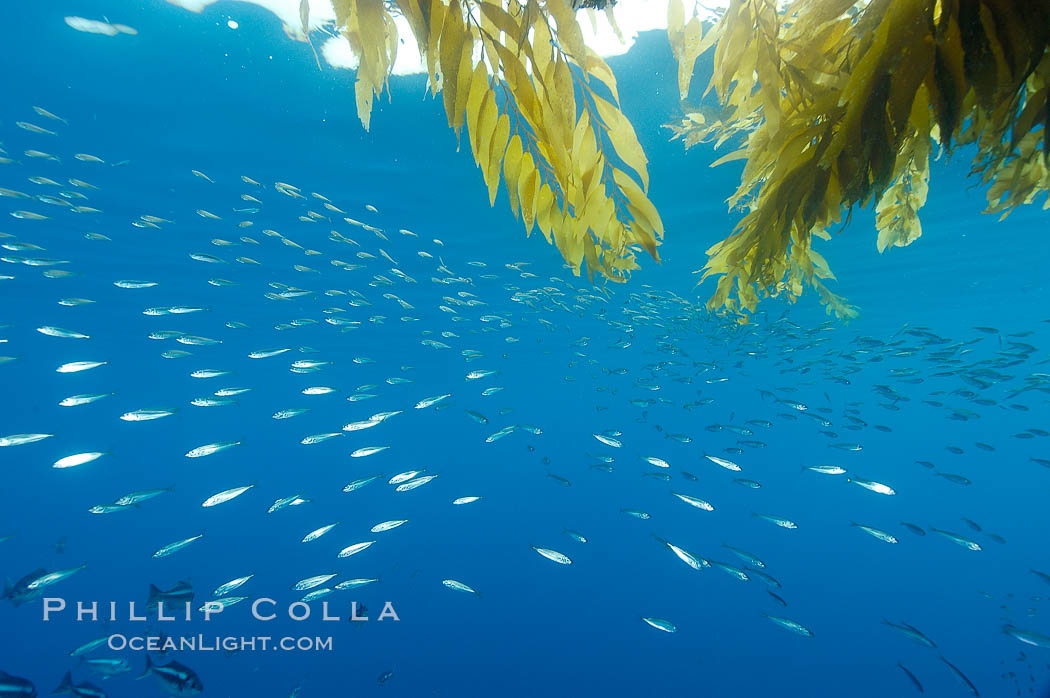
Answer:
(218, 643)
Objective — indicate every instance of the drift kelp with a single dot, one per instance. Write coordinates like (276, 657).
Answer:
(843, 104)
(541, 109)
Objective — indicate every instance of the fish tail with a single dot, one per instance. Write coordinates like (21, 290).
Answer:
(147, 670)
(66, 686)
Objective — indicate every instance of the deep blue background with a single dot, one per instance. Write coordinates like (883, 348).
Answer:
(189, 93)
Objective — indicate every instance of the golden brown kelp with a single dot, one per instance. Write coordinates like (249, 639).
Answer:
(541, 110)
(842, 103)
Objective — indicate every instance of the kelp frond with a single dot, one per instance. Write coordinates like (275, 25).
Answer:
(841, 104)
(541, 110)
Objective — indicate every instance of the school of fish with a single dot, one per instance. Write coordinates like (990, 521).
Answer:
(128, 347)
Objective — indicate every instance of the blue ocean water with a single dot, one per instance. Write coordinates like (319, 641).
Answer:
(911, 381)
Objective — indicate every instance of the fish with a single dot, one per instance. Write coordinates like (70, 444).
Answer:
(1028, 637)
(431, 401)
(267, 353)
(228, 392)
(29, 216)
(962, 677)
(875, 532)
(46, 114)
(694, 561)
(21, 439)
(108, 508)
(172, 548)
(174, 678)
(458, 586)
(208, 373)
(913, 528)
(355, 583)
(957, 539)
(355, 548)
(313, 582)
(19, 592)
(87, 647)
(727, 464)
(221, 604)
(78, 459)
(316, 594)
(181, 594)
(362, 424)
(211, 402)
(789, 624)
(912, 632)
(45, 580)
(285, 502)
(388, 525)
(414, 483)
(876, 487)
(358, 484)
(911, 676)
(78, 366)
(317, 533)
(141, 495)
(734, 572)
(575, 535)
(225, 496)
(232, 585)
(661, 624)
(146, 415)
(61, 332)
(694, 501)
(80, 690)
(212, 448)
(951, 477)
(777, 520)
(553, 555)
(33, 128)
(496, 436)
(745, 556)
(197, 341)
(289, 413)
